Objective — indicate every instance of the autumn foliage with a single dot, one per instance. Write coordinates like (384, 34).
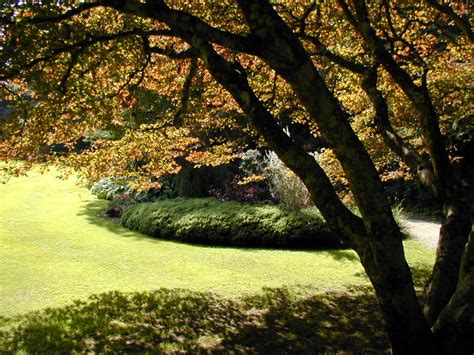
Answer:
(379, 89)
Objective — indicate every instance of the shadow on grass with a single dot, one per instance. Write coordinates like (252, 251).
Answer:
(420, 275)
(93, 212)
(169, 321)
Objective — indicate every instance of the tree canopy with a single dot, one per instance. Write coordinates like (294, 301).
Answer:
(380, 82)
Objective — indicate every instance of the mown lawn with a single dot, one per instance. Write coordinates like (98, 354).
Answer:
(54, 248)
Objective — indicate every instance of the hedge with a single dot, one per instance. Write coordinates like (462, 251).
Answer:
(211, 222)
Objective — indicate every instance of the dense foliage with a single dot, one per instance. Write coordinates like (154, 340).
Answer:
(378, 88)
(208, 221)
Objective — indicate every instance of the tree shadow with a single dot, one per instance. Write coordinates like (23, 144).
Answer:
(421, 275)
(342, 322)
(93, 212)
(343, 255)
(274, 321)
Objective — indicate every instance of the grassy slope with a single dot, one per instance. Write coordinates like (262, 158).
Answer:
(54, 248)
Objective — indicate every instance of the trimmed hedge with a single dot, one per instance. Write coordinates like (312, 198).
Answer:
(208, 221)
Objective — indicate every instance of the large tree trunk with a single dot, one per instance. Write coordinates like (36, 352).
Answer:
(454, 234)
(455, 325)
(384, 262)
(378, 240)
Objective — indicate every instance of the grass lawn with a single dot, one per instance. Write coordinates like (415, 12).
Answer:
(54, 249)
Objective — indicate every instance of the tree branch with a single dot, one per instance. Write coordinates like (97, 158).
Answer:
(140, 70)
(72, 62)
(337, 59)
(186, 54)
(87, 42)
(418, 95)
(461, 23)
(186, 92)
(306, 14)
(382, 124)
(348, 13)
(158, 10)
(398, 37)
(68, 14)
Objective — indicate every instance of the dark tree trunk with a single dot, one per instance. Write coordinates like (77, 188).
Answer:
(455, 325)
(379, 241)
(454, 233)
(384, 262)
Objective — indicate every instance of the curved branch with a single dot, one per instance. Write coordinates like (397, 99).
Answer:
(337, 59)
(186, 92)
(157, 9)
(87, 42)
(392, 139)
(461, 23)
(67, 74)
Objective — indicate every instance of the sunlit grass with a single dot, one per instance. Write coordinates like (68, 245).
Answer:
(54, 249)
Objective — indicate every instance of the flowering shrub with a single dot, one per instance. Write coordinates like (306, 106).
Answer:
(107, 188)
(117, 188)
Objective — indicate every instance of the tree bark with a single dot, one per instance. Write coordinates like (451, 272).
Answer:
(455, 325)
(448, 188)
(454, 234)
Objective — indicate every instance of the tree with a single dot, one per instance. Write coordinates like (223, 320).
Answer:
(93, 57)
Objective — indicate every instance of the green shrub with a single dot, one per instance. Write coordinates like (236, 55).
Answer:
(208, 221)
(413, 197)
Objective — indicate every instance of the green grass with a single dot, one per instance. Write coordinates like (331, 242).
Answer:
(54, 249)
(276, 321)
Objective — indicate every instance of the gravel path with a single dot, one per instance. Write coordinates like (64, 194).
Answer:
(424, 229)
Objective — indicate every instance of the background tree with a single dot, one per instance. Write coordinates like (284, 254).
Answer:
(82, 66)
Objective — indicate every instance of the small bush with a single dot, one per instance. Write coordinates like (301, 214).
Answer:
(208, 221)
(117, 188)
(285, 186)
(119, 204)
(106, 189)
